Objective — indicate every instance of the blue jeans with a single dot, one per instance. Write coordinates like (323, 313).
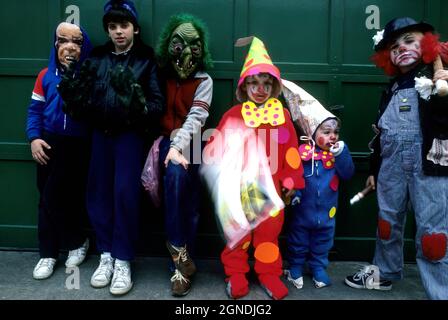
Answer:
(181, 199)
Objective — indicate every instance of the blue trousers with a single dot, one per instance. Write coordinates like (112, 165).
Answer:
(114, 191)
(400, 182)
(181, 199)
(310, 242)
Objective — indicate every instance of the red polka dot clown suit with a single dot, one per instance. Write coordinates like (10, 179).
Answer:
(259, 85)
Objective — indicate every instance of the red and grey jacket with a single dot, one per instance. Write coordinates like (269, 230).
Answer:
(187, 109)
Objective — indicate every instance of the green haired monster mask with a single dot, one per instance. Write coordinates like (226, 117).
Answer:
(185, 49)
(183, 46)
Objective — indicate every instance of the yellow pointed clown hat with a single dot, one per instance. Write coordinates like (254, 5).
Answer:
(257, 61)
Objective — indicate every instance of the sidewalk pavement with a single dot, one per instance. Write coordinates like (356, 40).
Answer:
(151, 278)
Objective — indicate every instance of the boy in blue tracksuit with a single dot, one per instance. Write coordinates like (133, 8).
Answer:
(60, 147)
(311, 230)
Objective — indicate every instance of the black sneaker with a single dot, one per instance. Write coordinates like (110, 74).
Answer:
(368, 278)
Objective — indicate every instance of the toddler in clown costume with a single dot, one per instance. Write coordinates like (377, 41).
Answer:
(263, 114)
(311, 230)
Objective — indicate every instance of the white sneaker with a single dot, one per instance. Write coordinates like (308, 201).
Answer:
(298, 283)
(77, 256)
(121, 282)
(103, 274)
(44, 268)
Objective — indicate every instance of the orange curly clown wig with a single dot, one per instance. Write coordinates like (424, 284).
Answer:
(431, 47)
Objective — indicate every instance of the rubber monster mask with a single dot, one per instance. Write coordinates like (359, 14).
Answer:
(185, 50)
(68, 43)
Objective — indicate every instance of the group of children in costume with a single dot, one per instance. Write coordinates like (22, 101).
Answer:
(95, 113)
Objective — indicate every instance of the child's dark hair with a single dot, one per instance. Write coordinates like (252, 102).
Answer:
(119, 15)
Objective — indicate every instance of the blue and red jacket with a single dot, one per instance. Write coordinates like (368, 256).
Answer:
(45, 110)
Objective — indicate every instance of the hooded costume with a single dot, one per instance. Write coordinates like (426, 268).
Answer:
(312, 225)
(62, 181)
(45, 111)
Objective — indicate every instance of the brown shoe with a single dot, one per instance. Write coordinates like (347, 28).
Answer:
(182, 260)
(180, 285)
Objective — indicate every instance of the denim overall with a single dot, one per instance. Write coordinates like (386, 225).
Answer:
(401, 182)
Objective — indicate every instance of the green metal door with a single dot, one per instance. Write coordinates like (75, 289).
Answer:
(324, 45)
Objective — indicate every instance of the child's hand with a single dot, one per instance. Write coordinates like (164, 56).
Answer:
(38, 147)
(291, 196)
(370, 182)
(337, 148)
(296, 198)
(440, 75)
(287, 194)
(177, 158)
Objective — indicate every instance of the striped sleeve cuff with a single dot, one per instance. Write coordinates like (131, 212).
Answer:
(201, 104)
(37, 97)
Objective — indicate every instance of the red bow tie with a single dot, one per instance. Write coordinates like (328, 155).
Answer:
(306, 153)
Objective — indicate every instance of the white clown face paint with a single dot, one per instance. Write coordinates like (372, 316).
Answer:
(405, 51)
(259, 87)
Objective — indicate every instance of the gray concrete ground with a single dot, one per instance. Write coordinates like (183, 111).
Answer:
(151, 282)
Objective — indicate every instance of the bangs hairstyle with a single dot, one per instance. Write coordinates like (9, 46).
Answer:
(119, 15)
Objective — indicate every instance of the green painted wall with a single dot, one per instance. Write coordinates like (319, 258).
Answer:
(324, 45)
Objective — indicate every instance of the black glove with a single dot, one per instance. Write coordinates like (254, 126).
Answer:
(75, 90)
(65, 86)
(129, 92)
